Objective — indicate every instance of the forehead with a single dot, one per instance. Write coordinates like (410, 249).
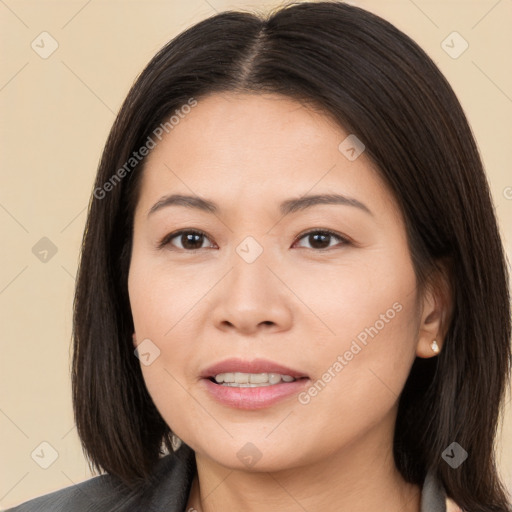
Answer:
(234, 126)
(256, 147)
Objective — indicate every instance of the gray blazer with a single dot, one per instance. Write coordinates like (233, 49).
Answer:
(168, 492)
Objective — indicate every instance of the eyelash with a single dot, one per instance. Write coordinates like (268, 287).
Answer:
(166, 240)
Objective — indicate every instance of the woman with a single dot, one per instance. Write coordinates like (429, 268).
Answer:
(292, 292)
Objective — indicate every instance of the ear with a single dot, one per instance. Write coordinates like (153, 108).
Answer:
(436, 311)
(134, 338)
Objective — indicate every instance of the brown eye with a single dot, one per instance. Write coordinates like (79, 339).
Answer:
(188, 240)
(321, 239)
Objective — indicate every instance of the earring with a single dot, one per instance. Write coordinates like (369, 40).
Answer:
(435, 347)
(176, 442)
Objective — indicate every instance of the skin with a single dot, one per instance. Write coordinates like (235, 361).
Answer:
(298, 304)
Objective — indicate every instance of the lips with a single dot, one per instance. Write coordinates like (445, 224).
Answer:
(254, 398)
(251, 396)
(255, 366)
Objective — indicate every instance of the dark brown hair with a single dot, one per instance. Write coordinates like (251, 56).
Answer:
(376, 83)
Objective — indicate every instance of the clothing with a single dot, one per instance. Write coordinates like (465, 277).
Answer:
(169, 492)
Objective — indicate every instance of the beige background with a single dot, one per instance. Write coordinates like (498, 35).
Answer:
(56, 115)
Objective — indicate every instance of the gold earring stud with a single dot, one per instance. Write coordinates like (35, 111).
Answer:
(435, 347)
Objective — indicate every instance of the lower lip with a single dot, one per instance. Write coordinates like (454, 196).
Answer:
(254, 398)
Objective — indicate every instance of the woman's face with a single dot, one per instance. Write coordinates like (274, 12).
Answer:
(339, 310)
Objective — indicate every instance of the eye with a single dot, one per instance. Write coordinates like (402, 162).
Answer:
(320, 238)
(192, 239)
(189, 239)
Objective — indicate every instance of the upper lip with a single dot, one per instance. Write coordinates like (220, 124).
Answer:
(255, 366)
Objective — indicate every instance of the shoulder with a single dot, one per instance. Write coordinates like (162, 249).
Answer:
(95, 494)
(168, 490)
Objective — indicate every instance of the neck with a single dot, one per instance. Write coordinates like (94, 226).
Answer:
(358, 478)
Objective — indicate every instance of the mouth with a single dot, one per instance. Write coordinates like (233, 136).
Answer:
(252, 384)
(251, 380)
(258, 372)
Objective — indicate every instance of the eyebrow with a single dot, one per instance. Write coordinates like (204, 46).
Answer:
(286, 207)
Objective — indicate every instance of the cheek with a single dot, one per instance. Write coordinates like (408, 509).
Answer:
(362, 364)
(162, 297)
(164, 307)
(370, 294)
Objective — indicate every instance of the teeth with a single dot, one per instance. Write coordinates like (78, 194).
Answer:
(241, 378)
(258, 378)
(274, 378)
(251, 380)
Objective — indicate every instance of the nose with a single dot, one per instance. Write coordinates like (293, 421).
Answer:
(252, 298)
